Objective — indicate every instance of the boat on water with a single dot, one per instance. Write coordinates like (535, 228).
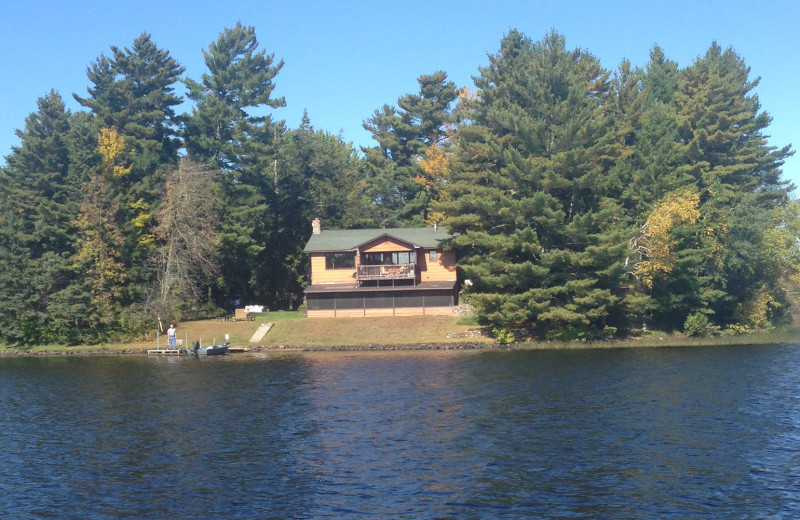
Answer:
(213, 350)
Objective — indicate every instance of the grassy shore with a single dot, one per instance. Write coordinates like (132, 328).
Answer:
(787, 335)
(293, 330)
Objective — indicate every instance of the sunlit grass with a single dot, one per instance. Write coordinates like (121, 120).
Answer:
(292, 329)
(279, 316)
(368, 331)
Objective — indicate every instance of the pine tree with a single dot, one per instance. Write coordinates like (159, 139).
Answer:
(134, 91)
(229, 127)
(40, 202)
(404, 135)
(530, 202)
(726, 154)
(133, 100)
(238, 85)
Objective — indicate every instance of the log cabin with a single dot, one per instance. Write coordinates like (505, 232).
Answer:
(380, 272)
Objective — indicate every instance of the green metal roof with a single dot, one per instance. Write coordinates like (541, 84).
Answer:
(348, 239)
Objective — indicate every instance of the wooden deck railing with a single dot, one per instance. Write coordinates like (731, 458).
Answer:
(386, 272)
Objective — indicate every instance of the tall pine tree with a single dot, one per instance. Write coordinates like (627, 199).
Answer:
(133, 100)
(530, 203)
(229, 126)
(404, 136)
(39, 203)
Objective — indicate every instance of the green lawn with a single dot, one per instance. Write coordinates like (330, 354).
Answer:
(292, 329)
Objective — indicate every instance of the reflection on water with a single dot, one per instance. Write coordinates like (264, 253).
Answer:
(655, 433)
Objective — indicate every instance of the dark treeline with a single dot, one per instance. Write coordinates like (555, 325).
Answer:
(588, 203)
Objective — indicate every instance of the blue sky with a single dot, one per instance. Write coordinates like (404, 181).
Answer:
(345, 59)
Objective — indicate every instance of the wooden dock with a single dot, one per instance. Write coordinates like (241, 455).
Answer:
(167, 351)
(182, 352)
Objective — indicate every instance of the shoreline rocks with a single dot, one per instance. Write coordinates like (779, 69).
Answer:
(380, 348)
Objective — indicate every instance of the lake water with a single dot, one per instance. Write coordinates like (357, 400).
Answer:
(645, 433)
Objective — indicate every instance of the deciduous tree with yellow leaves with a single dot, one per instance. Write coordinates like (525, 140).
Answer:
(435, 170)
(111, 147)
(655, 244)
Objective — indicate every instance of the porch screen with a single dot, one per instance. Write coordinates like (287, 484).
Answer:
(407, 299)
(379, 301)
(438, 299)
(320, 302)
(349, 301)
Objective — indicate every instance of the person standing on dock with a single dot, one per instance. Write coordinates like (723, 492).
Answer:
(171, 334)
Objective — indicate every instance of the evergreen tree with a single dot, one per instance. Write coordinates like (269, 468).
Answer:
(134, 91)
(39, 203)
(738, 176)
(646, 116)
(229, 127)
(318, 176)
(530, 204)
(230, 97)
(133, 100)
(404, 135)
(44, 192)
(661, 78)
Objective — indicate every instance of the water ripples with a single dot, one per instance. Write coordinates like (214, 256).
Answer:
(661, 433)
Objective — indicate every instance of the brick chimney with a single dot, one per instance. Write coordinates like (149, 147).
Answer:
(316, 227)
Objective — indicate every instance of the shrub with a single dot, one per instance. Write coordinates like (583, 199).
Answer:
(698, 324)
(504, 336)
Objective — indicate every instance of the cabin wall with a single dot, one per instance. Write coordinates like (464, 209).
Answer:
(442, 270)
(386, 245)
(321, 275)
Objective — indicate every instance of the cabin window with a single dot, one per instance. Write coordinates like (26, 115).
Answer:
(374, 259)
(406, 257)
(433, 255)
(399, 258)
(340, 261)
